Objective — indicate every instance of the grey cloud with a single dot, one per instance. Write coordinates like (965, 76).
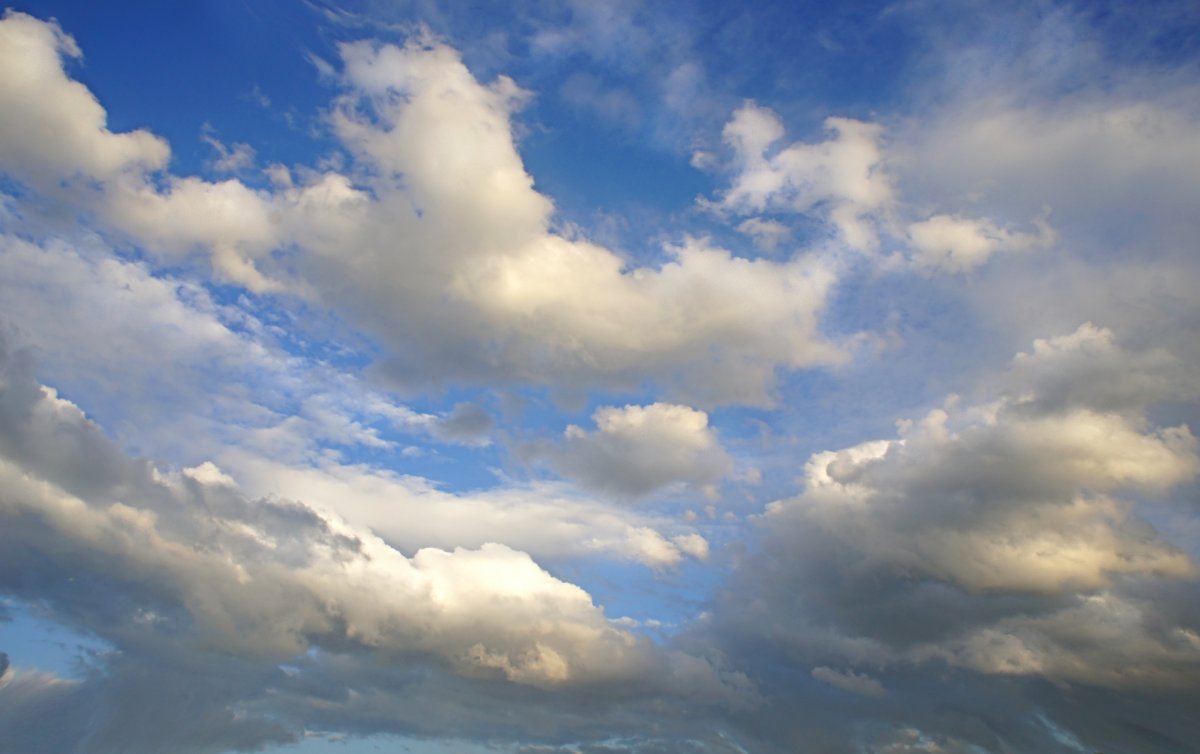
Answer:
(467, 423)
(993, 546)
(855, 683)
(1090, 368)
(637, 450)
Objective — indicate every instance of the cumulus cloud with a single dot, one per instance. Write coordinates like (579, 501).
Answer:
(188, 563)
(1089, 368)
(54, 138)
(140, 347)
(272, 577)
(847, 182)
(52, 128)
(1013, 571)
(994, 535)
(636, 450)
(841, 178)
(441, 224)
(507, 298)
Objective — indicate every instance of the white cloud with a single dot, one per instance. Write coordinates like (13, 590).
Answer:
(506, 298)
(52, 128)
(848, 181)
(234, 223)
(273, 579)
(141, 347)
(411, 513)
(441, 224)
(959, 244)
(841, 179)
(54, 137)
(636, 450)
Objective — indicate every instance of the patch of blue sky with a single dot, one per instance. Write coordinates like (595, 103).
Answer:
(660, 602)
(204, 63)
(34, 641)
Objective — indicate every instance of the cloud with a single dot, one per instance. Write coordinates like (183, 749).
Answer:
(232, 159)
(848, 182)
(273, 577)
(189, 567)
(637, 450)
(52, 128)
(959, 244)
(992, 536)
(468, 424)
(439, 223)
(140, 347)
(506, 297)
(1012, 570)
(410, 513)
(841, 178)
(54, 137)
(767, 234)
(1089, 368)
(855, 683)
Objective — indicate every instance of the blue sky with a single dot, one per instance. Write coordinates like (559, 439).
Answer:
(554, 377)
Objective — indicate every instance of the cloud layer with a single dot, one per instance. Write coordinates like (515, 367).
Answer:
(577, 378)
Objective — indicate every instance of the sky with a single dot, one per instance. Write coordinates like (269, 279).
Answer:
(599, 377)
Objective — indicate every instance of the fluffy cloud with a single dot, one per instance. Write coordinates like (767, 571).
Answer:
(636, 450)
(840, 177)
(272, 578)
(847, 182)
(958, 244)
(189, 565)
(994, 536)
(1015, 571)
(140, 347)
(441, 224)
(506, 297)
(54, 137)
(52, 128)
